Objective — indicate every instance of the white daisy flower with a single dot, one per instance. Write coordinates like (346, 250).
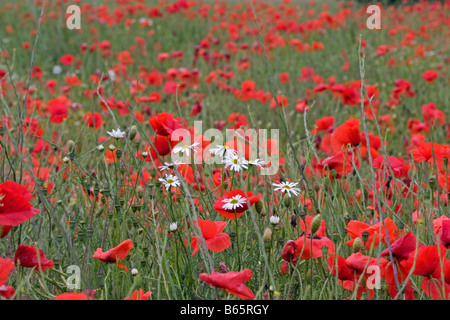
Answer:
(288, 187)
(117, 133)
(236, 163)
(257, 163)
(168, 165)
(223, 151)
(170, 181)
(185, 149)
(233, 203)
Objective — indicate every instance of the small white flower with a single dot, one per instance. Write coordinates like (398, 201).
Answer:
(112, 147)
(233, 203)
(117, 133)
(185, 149)
(134, 272)
(66, 160)
(287, 187)
(257, 163)
(100, 147)
(168, 166)
(173, 226)
(170, 181)
(223, 151)
(236, 163)
(145, 154)
(56, 69)
(274, 220)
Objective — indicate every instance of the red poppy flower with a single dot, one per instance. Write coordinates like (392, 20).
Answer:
(429, 75)
(376, 232)
(58, 109)
(15, 206)
(233, 204)
(402, 247)
(164, 123)
(118, 253)
(425, 151)
(341, 164)
(67, 59)
(216, 241)
(26, 256)
(139, 295)
(427, 260)
(346, 134)
(72, 296)
(7, 291)
(6, 267)
(306, 246)
(97, 119)
(232, 282)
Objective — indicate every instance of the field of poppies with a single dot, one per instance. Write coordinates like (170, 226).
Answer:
(224, 150)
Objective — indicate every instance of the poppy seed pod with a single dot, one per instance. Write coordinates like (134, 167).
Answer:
(357, 245)
(365, 236)
(315, 224)
(432, 183)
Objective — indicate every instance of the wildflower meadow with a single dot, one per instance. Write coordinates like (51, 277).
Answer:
(224, 150)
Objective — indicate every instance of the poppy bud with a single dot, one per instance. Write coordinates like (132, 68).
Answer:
(70, 146)
(445, 159)
(140, 191)
(267, 235)
(119, 154)
(357, 245)
(315, 223)
(133, 132)
(259, 206)
(287, 201)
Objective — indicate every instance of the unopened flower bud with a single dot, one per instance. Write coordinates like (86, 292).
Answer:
(357, 245)
(315, 223)
(70, 146)
(134, 272)
(259, 206)
(173, 226)
(112, 147)
(100, 148)
(274, 220)
(267, 235)
(140, 191)
(133, 133)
